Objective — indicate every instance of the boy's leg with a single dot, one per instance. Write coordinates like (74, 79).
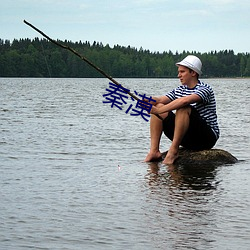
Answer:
(156, 128)
(181, 127)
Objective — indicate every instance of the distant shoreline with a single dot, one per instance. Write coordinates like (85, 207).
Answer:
(41, 58)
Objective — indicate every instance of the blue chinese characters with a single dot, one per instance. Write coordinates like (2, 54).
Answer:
(118, 96)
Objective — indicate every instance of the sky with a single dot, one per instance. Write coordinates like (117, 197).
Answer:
(155, 25)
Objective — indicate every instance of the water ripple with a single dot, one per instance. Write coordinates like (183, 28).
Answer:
(72, 175)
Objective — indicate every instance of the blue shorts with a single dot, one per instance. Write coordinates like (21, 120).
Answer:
(199, 135)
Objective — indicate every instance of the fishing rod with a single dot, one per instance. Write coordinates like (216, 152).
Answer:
(85, 60)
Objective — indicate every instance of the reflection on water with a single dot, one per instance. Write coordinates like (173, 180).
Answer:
(189, 177)
(184, 194)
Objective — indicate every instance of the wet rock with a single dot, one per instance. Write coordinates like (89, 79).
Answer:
(205, 157)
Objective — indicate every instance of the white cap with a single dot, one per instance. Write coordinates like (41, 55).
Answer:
(191, 62)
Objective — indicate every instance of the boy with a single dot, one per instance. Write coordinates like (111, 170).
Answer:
(194, 125)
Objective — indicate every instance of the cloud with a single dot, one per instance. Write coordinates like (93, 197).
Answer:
(225, 5)
(152, 24)
(148, 2)
(83, 6)
(221, 2)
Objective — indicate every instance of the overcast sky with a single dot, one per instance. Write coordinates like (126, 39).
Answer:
(157, 25)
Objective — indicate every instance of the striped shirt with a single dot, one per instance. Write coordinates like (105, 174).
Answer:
(206, 108)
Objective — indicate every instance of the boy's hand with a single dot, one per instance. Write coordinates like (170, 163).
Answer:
(154, 110)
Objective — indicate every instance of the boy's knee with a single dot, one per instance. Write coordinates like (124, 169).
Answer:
(184, 110)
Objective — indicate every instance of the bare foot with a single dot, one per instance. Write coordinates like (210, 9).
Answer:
(170, 157)
(153, 156)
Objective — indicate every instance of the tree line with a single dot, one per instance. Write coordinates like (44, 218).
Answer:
(40, 58)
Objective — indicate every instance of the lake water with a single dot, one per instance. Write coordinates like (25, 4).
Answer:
(72, 176)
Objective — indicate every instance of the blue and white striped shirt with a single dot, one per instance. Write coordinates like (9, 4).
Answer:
(206, 108)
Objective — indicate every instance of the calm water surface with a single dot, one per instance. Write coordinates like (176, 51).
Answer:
(72, 175)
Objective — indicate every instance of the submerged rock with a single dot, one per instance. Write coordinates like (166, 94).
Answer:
(204, 157)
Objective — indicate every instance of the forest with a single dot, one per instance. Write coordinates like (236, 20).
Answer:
(41, 58)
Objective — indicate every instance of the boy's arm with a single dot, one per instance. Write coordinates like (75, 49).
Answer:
(176, 104)
(161, 99)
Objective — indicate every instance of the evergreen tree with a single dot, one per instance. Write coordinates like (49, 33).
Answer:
(41, 58)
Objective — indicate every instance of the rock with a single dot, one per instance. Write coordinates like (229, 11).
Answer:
(213, 157)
